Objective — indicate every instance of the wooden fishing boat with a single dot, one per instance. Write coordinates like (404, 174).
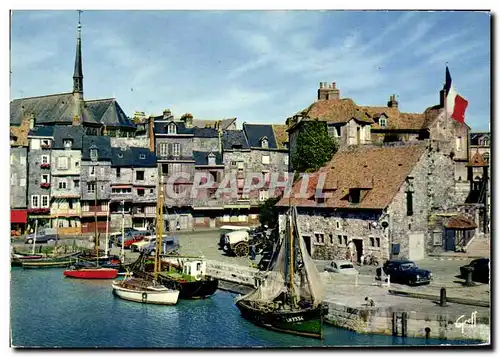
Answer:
(92, 273)
(50, 262)
(17, 259)
(148, 289)
(290, 298)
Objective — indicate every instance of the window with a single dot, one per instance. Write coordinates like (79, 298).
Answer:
(172, 129)
(285, 160)
(409, 203)
(62, 163)
(139, 175)
(62, 184)
(121, 190)
(486, 157)
(176, 149)
(437, 238)
(45, 201)
(22, 182)
(163, 149)
(102, 171)
(46, 142)
(233, 163)
(142, 156)
(345, 240)
(354, 195)
(377, 241)
(104, 207)
(91, 187)
(331, 238)
(77, 164)
(372, 242)
(140, 192)
(45, 159)
(320, 237)
(91, 170)
(458, 142)
(118, 172)
(241, 165)
(382, 122)
(35, 201)
(67, 143)
(265, 159)
(263, 195)
(211, 159)
(266, 176)
(176, 168)
(340, 239)
(151, 190)
(338, 224)
(265, 143)
(45, 178)
(13, 179)
(76, 183)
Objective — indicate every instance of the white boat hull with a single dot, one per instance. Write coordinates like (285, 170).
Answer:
(159, 296)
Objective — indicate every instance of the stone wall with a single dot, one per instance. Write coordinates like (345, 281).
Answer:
(35, 173)
(18, 177)
(206, 144)
(104, 173)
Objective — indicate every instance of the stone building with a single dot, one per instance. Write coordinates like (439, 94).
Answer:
(19, 177)
(352, 124)
(133, 187)
(39, 175)
(95, 183)
(375, 201)
(64, 179)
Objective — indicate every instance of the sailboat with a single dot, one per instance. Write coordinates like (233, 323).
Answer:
(290, 299)
(145, 289)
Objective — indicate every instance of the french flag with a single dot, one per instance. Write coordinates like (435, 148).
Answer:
(455, 104)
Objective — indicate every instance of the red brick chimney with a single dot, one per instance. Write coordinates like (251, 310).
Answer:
(392, 103)
(328, 91)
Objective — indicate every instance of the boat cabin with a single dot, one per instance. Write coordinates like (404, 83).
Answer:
(195, 268)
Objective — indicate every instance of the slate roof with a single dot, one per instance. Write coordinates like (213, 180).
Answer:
(44, 131)
(231, 138)
(202, 123)
(342, 110)
(361, 167)
(201, 158)
(131, 157)
(75, 133)
(49, 109)
(59, 109)
(103, 144)
(161, 128)
(255, 132)
(205, 132)
(109, 113)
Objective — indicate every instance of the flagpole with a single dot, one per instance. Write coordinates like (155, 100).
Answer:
(446, 106)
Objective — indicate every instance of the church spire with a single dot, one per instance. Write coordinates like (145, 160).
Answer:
(78, 74)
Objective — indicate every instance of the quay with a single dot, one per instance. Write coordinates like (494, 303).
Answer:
(399, 310)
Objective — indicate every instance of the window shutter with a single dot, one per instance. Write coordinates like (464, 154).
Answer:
(409, 203)
(170, 150)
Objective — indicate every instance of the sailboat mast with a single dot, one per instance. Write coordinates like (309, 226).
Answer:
(159, 224)
(291, 256)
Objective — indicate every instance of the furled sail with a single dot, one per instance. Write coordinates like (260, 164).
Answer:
(306, 284)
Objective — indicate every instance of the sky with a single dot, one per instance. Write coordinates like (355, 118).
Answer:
(258, 66)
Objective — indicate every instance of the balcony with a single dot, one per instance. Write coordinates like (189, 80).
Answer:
(91, 212)
(38, 211)
(65, 212)
(45, 166)
(45, 185)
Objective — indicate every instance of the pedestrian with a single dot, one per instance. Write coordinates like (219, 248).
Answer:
(362, 260)
(369, 301)
(252, 252)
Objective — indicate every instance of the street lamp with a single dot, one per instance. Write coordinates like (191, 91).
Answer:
(94, 157)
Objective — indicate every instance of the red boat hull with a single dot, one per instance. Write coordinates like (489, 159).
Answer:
(95, 273)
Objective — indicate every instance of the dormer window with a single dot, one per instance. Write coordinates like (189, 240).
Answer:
(264, 143)
(171, 128)
(382, 122)
(354, 195)
(211, 159)
(67, 143)
(142, 156)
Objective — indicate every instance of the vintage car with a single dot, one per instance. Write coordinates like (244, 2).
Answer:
(42, 236)
(406, 272)
(480, 270)
(342, 267)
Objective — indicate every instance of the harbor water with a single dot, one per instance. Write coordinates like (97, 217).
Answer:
(49, 310)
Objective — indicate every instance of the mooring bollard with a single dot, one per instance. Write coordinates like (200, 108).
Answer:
(442, 297)
(427, 332)
(468, 279)
(388, 281)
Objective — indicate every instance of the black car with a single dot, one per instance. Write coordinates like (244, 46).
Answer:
(480, 270)
(406, 272)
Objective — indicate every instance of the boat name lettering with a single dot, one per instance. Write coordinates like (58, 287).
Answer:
(295, 319)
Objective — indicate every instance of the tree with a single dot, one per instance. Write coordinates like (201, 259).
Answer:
(269, 212)
(314, 147)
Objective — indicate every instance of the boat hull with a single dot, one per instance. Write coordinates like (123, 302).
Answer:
(146, 296)
(46, 264)
(102, 273)
(306, 322)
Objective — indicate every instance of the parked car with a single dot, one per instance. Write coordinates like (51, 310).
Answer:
(138, 246)
(480, 270)
(170, 244)
(42, 236)
(135, 238)
(342, 267)
(406, 272)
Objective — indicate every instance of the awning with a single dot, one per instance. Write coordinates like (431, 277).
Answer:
(18, 216)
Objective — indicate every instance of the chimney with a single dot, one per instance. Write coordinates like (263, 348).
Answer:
(151, 132)
(32, 121)
(392, 103)
(167, 114)
(322, 91)
(333, 92)
(188, 119)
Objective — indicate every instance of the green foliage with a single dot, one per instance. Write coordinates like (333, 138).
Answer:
(314, 147)
(269, 212)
